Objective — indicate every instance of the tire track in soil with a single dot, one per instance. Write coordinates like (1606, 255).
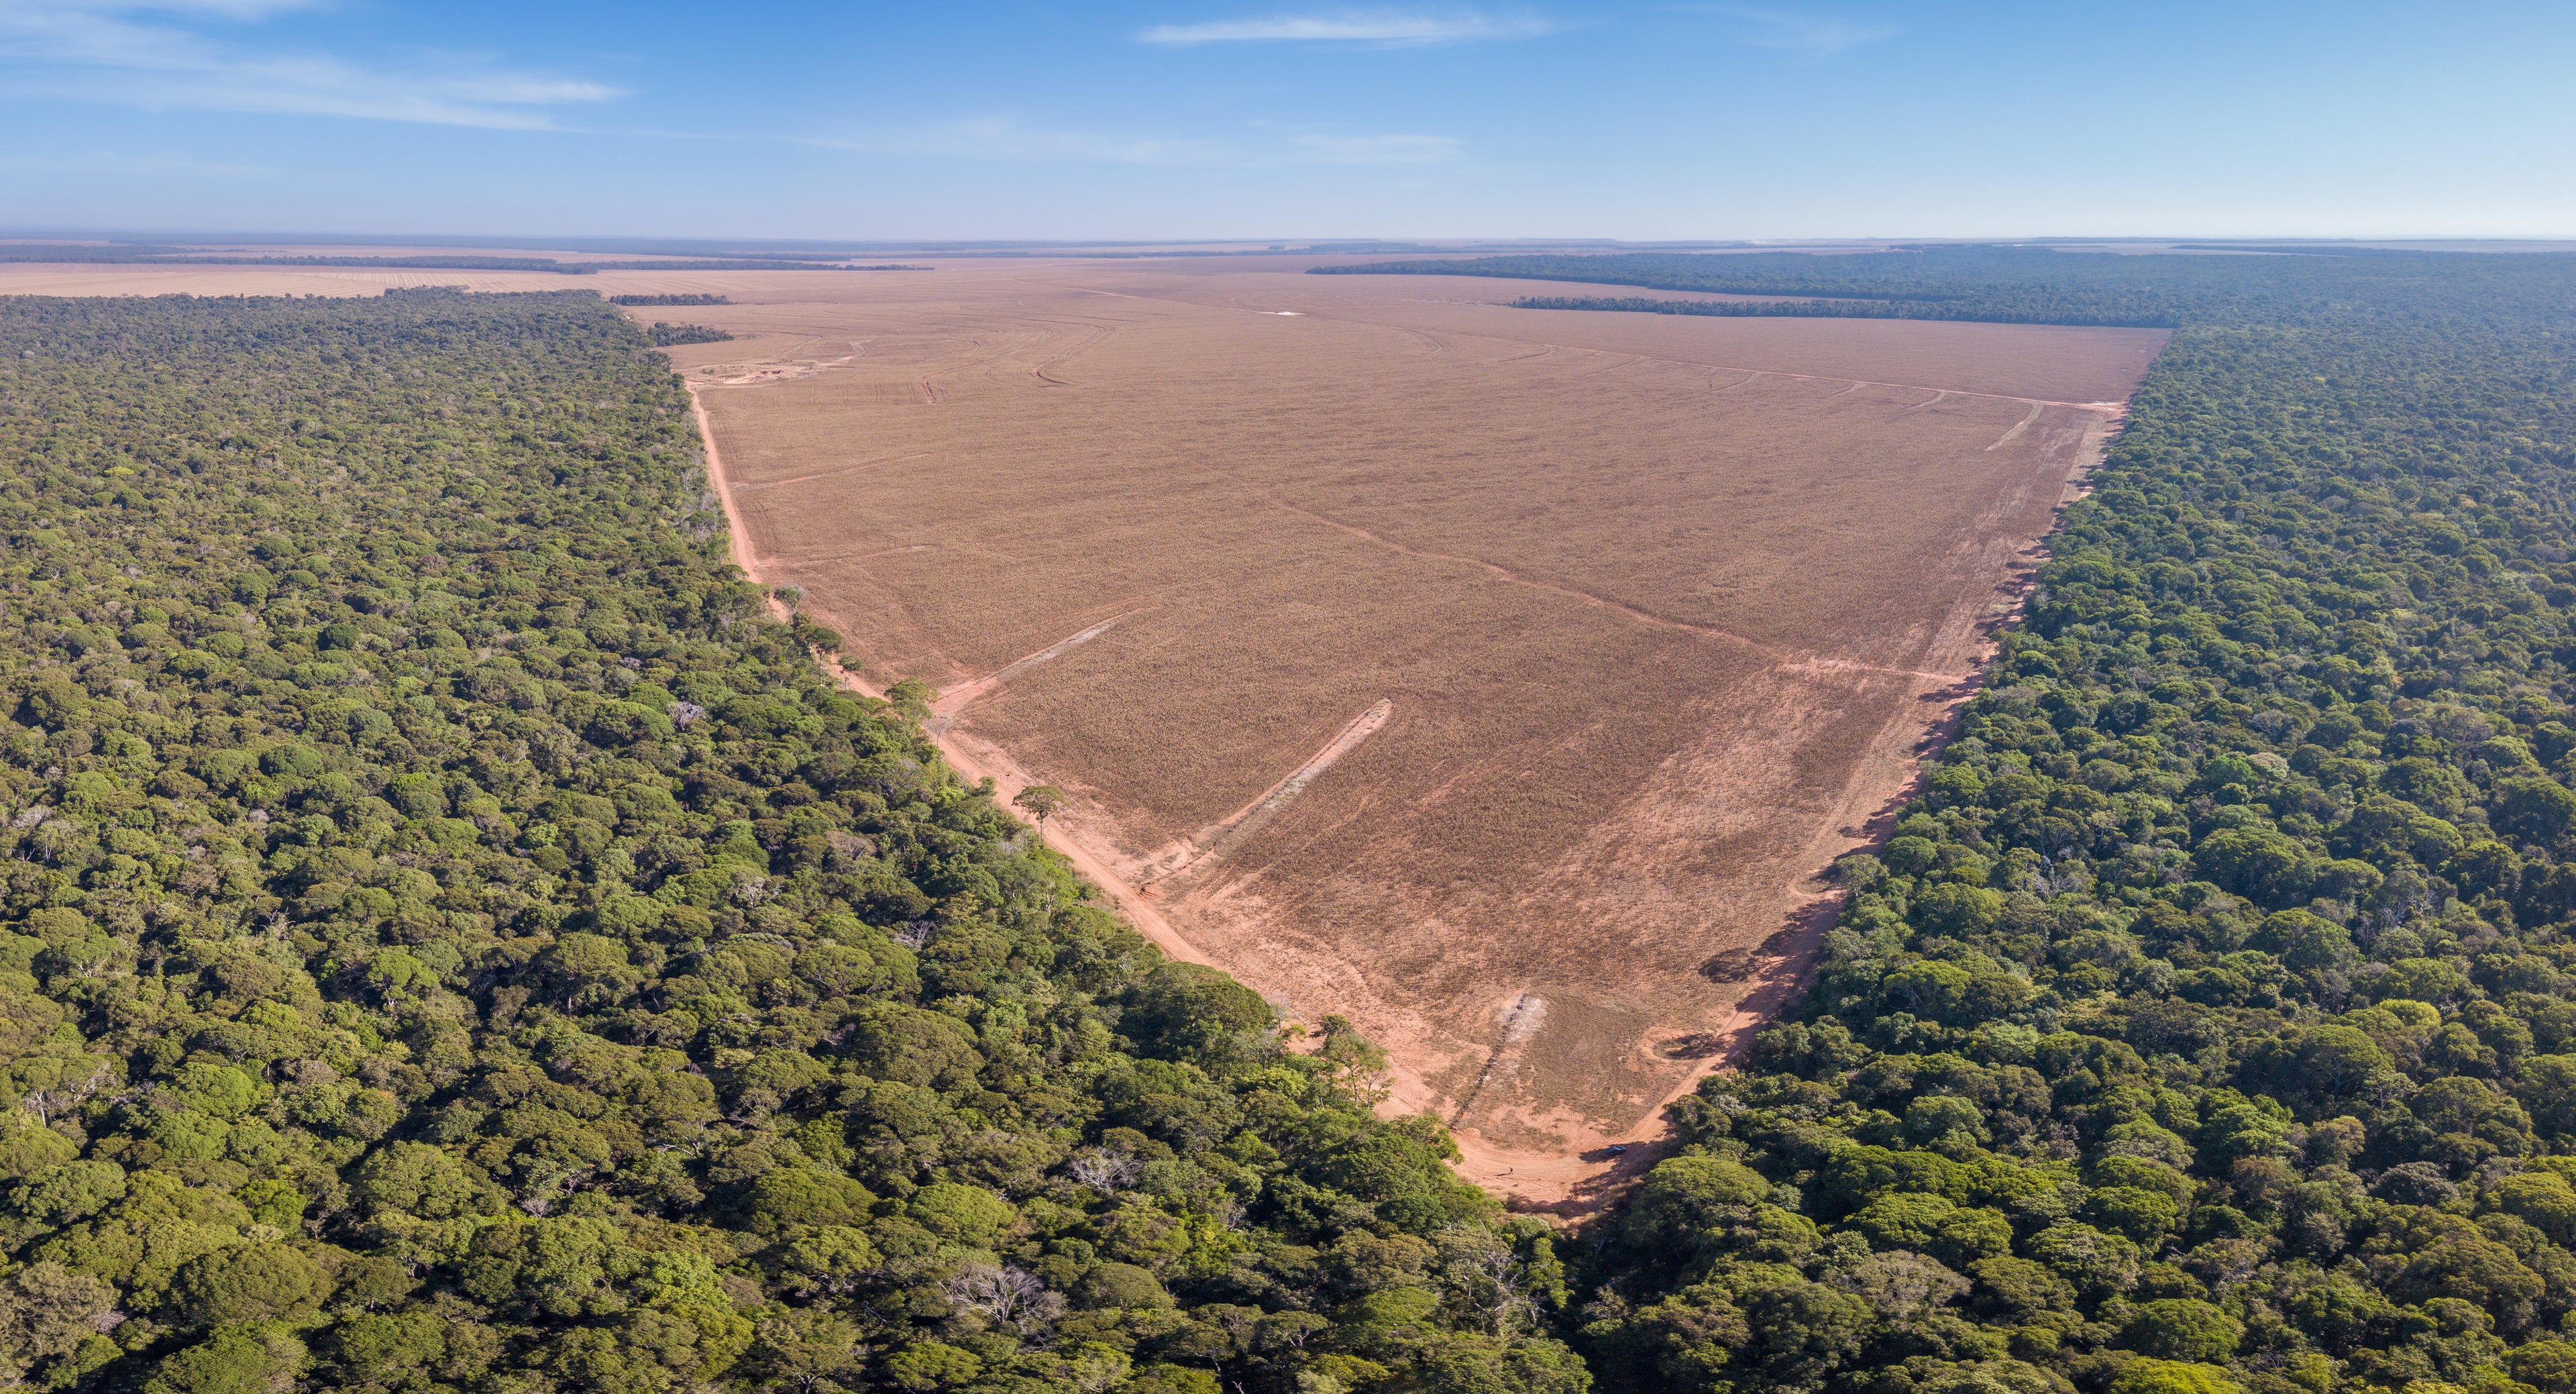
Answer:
(1098, 332)
(930, 395)
(944, 712)
(1211, 842)
(833, 473)
(1791, 660)
(2018, 427)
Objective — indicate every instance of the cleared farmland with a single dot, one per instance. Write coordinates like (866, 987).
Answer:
(1498, 678)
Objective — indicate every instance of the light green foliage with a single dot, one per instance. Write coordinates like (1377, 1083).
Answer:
(2172, 1377)
(247, 1282)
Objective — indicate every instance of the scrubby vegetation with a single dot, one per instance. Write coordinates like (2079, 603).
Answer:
(2209, 1023)
(456, 941)
(665, 335)
(670, 300)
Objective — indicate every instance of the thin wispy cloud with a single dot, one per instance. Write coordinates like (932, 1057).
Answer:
(1819, 36)
(1378, 27)
(1011, 138)
(146, 54)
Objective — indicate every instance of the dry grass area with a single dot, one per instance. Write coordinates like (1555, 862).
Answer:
(1498, 678)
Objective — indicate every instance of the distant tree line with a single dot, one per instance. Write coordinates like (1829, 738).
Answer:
(670, 300)
(665, 335)
(2040, 285)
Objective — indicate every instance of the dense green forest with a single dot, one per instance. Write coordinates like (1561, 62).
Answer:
(2209, 1022)
(455, 941)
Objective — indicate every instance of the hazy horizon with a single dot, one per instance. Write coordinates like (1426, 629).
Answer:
(1204, 121)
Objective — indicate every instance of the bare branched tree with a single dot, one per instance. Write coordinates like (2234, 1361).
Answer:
(1008, 1296)
(67, 1095)
(1489, 1278)
(1103, 1170)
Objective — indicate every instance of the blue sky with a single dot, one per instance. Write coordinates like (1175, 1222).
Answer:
(1221, 118)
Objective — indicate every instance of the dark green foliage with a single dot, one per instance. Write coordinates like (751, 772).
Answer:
(670, 300)
(2205, 1025)
(665, 335)
(453, 940)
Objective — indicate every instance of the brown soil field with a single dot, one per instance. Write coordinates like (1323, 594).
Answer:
(1500, 679)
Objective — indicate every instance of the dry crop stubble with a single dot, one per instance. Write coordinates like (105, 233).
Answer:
(1659, 609)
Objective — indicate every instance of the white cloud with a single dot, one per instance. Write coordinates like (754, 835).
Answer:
(1386, 27)
(1009, 138)
(1819, 35)
(98, 50)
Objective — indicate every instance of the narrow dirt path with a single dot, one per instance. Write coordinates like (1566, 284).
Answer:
(2018, 427)
(956, 699)
(1208, 842)
(1790, 660)
(836, 472)
(985, 762)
